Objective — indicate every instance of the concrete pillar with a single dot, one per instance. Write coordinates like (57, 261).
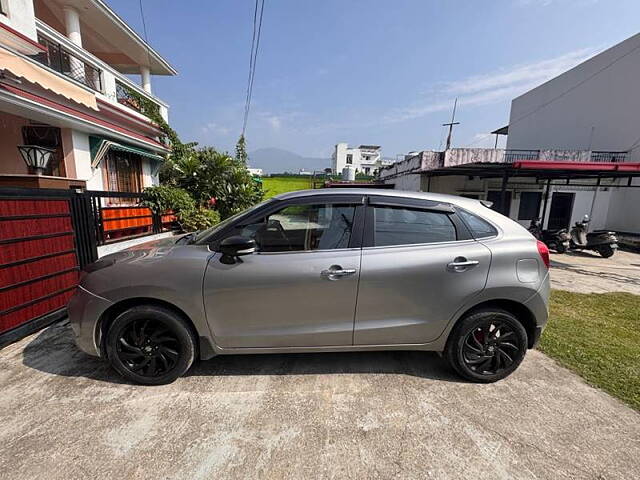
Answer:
(72, 24)
(145, 74)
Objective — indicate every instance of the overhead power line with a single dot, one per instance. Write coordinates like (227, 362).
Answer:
(253, 57)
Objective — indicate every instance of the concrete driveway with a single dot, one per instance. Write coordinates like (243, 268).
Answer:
(588, 272)
(64, 415)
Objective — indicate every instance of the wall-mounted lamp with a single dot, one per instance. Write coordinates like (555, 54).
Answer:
(37, 158)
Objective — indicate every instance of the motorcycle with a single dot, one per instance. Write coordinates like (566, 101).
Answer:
(558, 240)
(601, 241)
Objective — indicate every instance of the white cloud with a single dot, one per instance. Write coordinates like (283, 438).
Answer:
(275, 122)
(483, 89)
(217, 129)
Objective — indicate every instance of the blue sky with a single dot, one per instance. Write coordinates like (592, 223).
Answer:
(381, 72)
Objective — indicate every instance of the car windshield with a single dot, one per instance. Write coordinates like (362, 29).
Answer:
(203, 235)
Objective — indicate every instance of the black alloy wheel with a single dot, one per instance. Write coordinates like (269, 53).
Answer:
(486, 345)
(490, 348)
(147, 347)
(150, 345)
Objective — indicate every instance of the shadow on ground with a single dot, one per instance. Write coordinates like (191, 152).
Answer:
(53, 351)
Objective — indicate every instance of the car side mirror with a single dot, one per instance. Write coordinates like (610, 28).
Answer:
(236, 246)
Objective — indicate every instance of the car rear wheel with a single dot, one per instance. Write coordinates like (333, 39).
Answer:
(487, 345)
(150, 345)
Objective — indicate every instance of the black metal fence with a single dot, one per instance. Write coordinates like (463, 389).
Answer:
(118, 216)
(65, 62)
(611, 157)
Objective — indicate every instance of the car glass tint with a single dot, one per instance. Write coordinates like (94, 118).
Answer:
(403, 226)
(304, 227)
(479, 228)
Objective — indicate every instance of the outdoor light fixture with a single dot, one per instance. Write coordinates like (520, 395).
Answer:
(37, 158)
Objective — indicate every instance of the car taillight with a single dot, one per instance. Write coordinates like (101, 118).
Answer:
(543, 250)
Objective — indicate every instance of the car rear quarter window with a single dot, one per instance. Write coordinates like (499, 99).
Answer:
(479, 227)
(406, 226)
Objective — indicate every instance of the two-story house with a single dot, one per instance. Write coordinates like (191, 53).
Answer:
(69, 111)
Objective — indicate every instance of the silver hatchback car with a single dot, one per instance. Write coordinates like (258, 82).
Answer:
(323, 271)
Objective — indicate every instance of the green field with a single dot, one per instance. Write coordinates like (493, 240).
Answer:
(598, 337)
(276, 185)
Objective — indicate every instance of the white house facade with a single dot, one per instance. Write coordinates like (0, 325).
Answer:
(64, 86)
(366, 159)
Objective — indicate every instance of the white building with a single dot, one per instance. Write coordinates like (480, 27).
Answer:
(65, 85)
(255, 171)
(574, 141)
(595, 107)
(366, 159)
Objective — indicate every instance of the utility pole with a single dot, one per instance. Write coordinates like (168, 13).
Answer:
(451, 124)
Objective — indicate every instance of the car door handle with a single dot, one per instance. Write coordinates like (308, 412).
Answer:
(334, 273)
(461, 264)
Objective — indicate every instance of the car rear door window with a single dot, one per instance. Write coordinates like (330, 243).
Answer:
(406, 226)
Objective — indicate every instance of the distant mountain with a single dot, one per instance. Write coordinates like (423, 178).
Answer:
(277, 160)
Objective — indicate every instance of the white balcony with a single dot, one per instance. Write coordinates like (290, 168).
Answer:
(85, 69)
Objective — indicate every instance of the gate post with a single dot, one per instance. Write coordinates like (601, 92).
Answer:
(83, 226)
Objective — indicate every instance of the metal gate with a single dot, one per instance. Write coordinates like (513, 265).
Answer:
(46, 237)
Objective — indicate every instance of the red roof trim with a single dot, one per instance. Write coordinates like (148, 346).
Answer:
(580, 166)
(128, 114)
(79, 114)
(21, 36)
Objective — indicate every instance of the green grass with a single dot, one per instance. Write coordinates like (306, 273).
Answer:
(598, 337)
(276, 185)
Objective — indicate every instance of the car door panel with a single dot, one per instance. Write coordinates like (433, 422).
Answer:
(408, 294)
(282, 299)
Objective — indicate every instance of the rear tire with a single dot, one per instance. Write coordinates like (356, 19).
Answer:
(606, 251)
(561, 248)
(487, 345)
(150, 345)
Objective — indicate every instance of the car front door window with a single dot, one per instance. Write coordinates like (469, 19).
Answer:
(304, 228)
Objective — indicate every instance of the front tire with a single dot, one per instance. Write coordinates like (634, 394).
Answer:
(606, 251)
(150, 345)
(486, 345)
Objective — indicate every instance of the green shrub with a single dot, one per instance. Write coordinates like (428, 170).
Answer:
(197, 219)
(163, 197)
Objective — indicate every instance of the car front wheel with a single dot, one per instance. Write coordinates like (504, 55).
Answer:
(487, 345)
(150, 345)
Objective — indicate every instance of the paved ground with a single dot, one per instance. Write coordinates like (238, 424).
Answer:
(590, 273)
(64, 415)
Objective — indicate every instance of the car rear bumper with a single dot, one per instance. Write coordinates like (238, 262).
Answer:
(538, 305)
(85, 309)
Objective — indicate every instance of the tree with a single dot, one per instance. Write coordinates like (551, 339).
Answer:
(208, 174)
(241, 150)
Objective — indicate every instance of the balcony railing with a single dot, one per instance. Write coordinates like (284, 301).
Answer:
(612, 157)
(511, 156)
(128, 97)
(65, 62)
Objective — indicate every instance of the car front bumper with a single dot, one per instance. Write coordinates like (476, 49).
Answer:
(85, 310)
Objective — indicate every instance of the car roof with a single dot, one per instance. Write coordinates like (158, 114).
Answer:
(508, 226)
(437, 197)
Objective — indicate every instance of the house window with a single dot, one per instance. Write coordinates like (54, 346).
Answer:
(495, 196)
(124, 172)
(349, 159)
(529, 205)
(48, 137)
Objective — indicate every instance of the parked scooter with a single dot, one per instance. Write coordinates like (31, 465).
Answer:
(601, 241)
(558, 240)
